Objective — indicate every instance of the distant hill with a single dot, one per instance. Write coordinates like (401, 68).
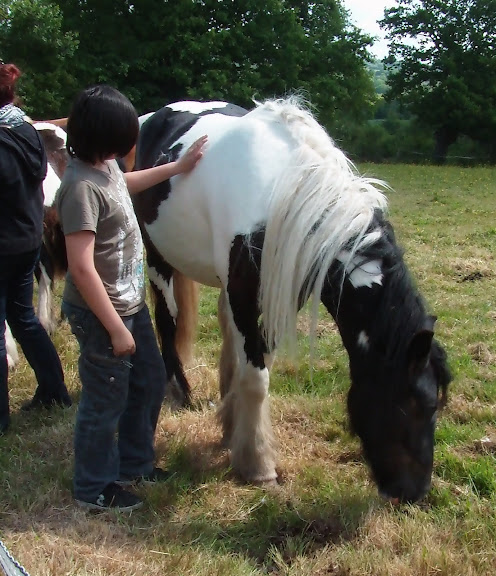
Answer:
(379, 75)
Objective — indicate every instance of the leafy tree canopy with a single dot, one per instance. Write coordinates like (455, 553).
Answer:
(31, 36)
(158, 51)
(443, 66)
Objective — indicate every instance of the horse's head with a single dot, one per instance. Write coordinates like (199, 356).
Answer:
(393, 410)
(399, 372)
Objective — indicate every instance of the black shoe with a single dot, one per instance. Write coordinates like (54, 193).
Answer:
(156, 475)
(38, 402)
(113, 497)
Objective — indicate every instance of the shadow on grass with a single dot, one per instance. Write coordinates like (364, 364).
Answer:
(185, 512)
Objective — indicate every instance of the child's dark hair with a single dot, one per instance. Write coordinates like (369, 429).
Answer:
(102, 122)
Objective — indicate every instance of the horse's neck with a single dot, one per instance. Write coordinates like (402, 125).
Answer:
(381, 316)
(353, 315)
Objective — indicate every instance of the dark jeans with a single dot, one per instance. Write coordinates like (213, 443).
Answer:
(16, 306)
(120, 402)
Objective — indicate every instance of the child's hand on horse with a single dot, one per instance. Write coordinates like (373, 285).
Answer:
(193, 155)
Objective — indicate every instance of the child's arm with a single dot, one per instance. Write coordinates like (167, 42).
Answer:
(80, 249)
(62, 122)
(143, 179)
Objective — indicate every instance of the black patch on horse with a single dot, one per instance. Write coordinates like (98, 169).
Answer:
(242, 289)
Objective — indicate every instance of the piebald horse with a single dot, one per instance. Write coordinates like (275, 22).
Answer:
(272, 214)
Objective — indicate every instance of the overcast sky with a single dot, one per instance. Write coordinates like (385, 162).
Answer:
(364, 14)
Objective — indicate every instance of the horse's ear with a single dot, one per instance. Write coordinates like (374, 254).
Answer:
(419, 350)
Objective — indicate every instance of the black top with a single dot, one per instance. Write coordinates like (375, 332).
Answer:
(23, 167)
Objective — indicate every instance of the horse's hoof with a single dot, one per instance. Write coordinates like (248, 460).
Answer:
(175, 397)
(269, 484)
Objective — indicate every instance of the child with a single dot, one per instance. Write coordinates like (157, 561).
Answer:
(121, 370)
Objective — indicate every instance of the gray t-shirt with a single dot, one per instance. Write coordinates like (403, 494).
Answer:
(90, 199)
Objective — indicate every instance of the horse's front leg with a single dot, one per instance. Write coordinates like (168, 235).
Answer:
(245, 412)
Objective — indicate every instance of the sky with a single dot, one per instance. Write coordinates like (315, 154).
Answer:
(364, 14)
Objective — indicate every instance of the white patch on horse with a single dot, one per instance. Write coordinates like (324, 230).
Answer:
(363, 340)
(51, 184)
(362, 273)
(167, 289)
(196, 107)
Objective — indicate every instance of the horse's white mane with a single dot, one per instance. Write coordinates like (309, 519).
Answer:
(319, 205)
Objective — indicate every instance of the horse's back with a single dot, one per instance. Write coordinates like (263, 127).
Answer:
(193, 219)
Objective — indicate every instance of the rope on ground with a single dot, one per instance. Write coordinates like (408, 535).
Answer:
(9, 565)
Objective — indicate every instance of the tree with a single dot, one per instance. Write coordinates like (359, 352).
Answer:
(442, 61)
(31, 36)
(158, 51)
(332, 62)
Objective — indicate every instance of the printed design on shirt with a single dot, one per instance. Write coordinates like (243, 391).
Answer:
(130, 283)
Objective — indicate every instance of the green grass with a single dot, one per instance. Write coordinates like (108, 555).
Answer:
(325, 518)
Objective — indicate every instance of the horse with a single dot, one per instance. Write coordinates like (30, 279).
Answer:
(53, 260)
(273, 214)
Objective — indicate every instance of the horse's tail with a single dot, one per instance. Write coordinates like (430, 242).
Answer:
(319, 206)
(54, 241)
(186, 295)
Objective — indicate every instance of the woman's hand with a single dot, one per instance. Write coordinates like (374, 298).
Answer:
(193, 154)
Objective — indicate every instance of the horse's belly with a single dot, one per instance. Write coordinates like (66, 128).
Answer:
(186, 243)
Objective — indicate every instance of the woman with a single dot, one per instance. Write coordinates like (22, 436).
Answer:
(23, 167)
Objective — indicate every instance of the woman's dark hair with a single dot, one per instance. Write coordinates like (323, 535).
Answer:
(9, 73)
(102, 122)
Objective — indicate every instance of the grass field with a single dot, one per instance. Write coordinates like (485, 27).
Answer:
(326, 517)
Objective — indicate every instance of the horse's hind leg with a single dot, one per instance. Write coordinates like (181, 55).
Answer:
(227, 368)
(160, 275)
(186, 294)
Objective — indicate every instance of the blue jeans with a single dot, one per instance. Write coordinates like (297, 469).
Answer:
(120, 402)
(16, 306)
